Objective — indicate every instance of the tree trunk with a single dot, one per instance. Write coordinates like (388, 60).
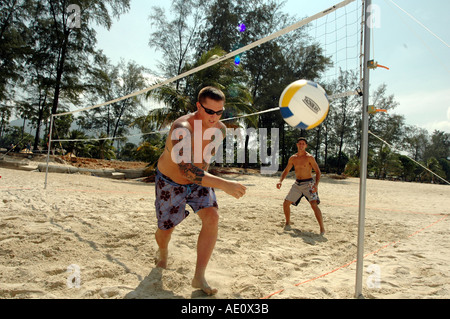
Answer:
(59, 72)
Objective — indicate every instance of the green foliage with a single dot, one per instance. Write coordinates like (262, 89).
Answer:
(336, 164)
(147, 152)
(102, 148)
(15, 136)
(353, 167)
(439, 147)
(107, 82)
(78, 147)
(445, 165)
(433, 165)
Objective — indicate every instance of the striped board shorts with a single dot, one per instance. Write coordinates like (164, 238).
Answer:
(302, 187)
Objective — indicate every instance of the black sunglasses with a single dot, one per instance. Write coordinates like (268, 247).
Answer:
(211, 112)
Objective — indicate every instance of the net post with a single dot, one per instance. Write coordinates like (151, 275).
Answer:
(364, 155)
(48, 151)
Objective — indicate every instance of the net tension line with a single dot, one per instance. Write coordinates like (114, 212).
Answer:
(399, 151)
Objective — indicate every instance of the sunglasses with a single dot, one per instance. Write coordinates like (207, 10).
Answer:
(211, 112)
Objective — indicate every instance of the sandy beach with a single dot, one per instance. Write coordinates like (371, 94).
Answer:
(90, 237)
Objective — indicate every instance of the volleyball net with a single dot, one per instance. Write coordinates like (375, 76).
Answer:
(337, 30)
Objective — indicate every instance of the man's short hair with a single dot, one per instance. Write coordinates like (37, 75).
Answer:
(211, 92)
(302, 139)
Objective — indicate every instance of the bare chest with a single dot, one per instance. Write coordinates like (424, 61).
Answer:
(302, 162)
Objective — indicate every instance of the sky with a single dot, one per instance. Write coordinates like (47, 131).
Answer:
(417, 54)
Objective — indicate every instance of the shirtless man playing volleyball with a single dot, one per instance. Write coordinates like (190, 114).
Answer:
(303, 163)
(182, 178)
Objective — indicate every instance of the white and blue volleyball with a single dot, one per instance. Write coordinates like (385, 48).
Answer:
(304, 104)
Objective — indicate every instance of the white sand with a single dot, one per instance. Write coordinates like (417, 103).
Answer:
(106, 228)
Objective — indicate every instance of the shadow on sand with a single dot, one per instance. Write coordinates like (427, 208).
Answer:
(151, 287)
(308, 237)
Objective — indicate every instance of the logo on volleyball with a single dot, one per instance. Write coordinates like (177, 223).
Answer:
(311, 104)
(304, 104)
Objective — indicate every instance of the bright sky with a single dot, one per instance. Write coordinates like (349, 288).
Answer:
(419, 75)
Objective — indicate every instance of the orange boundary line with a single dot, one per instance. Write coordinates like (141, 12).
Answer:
(353, 261)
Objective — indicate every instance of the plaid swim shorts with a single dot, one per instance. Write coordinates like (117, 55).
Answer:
(302, 188)
(171, 199)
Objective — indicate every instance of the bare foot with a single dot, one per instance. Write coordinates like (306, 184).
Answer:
(161, 258)
(203, 285)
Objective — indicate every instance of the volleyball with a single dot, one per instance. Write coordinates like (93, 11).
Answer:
(304, 104)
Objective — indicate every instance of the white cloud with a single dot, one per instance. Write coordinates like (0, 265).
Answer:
(443, 125)
(440, 126)
(427, 109)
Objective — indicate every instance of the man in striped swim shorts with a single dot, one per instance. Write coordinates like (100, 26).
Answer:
(304, 186)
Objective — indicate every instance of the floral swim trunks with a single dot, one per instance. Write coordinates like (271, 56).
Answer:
(171, 199)
(303, 187)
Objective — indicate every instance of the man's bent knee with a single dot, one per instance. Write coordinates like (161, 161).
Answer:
(287, 203)
(314, 203)
(209, 215)
(163, 233)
